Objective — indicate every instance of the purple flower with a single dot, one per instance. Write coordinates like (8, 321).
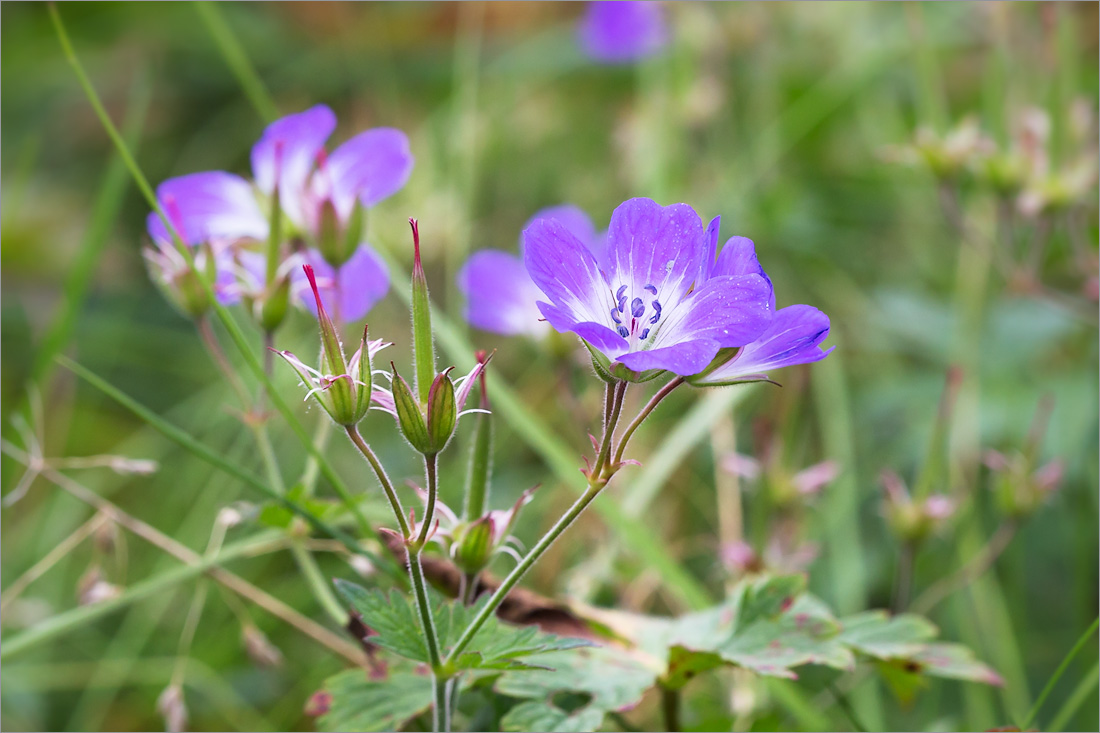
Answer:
(660, 302)
(500, 296)
(317, 194)
(621, 32)
(792, 338)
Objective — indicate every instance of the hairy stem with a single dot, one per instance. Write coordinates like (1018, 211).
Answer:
(596, 482)
(637, 421)
(380, 472)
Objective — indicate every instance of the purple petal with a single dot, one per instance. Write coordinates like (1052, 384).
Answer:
(370, 166)
(621, 32)
(732, 311)
(204, 206)
(288, 149)
(738, 257)
(349, 292)
(655, 247)
(597, 334)
(712, 247)
(792, 338)
(684, 358)
(500, 296)
(566, 271)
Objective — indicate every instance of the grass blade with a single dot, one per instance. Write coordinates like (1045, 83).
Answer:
(204, 452)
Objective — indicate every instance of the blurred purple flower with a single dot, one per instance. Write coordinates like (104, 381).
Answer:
(500, 296)
(621, 32)
(348, 291)
(314, 189)
(660, 302)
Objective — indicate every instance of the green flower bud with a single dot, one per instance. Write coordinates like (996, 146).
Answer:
(474, 547)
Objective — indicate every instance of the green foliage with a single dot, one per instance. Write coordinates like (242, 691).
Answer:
(496, 646)
(362, 701)
(769, 625)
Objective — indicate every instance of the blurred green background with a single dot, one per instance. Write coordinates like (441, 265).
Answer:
(774, 115)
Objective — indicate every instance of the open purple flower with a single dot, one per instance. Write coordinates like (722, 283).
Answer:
(794, 336)
(318, 194)
(660, 302)
(621, 31)
(500, 295)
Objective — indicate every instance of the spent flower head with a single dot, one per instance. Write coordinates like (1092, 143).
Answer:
(914, 519)
(341, 386)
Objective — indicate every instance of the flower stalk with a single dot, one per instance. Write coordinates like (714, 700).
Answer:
(596, 481)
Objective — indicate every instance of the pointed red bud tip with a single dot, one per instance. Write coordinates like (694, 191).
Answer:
(416, 241)
(313, 284)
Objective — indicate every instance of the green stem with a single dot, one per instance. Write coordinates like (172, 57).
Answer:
(670, 706)
(380, 472)
(237, 59)
(1059, 672)
(595, 483)
(637, 421)
(441, 712)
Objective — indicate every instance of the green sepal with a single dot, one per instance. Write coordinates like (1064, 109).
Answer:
(474, 547)
(330, 240)
(273, 308)
(362, 376)
(442, 411)
(409, 418)
(600, 363)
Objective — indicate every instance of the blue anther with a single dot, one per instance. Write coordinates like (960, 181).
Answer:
(615, 316)
(645, 332)
(656, 311)
(637, 307)
(623, 332)
(651, 288)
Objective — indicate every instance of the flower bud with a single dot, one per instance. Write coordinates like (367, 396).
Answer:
(409, 418)
(475, 546)
(1019, 487)
(171, 706)
(442, 410)
(343, 388)
(914, 520)
(330, 239)
(271, 308)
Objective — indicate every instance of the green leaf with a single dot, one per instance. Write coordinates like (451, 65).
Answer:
(804, 634)
(612, 677)
(768, 598)
(391, 616)
(363, 702)
(877, 635)
(496, 646)
(954, 661)
(533, 715)
(684, 664)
